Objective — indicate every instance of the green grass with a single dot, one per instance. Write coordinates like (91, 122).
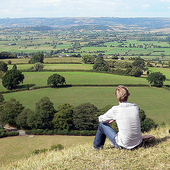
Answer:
(15, 148)
(56, 66)
(154, 101)
(156, 156)
(49, 60)
(100, 96)
(165, 71)
(40, 78)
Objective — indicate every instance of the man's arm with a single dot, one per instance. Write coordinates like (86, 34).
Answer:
(107, 117)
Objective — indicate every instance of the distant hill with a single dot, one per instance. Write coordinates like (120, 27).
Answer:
(125, 23)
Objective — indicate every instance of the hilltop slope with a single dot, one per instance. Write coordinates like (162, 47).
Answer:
(84, 157)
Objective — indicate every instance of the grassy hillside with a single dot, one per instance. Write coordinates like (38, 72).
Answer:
(155, 156)
(15, 148)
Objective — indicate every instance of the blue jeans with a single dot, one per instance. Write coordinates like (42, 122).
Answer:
(104, 129)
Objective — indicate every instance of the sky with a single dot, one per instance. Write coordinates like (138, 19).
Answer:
(84, 8)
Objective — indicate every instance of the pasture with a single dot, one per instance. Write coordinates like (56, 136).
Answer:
(154, 101)
(40, 79)
(46, 60)
(99, 96)
(56, 66)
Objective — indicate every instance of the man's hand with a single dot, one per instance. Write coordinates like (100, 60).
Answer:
(110, 121)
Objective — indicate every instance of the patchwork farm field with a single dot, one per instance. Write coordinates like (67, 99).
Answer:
(56, 45)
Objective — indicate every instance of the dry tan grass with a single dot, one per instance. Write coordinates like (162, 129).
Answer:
(81, 157)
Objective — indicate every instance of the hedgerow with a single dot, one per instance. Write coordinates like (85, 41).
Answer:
(61, 132)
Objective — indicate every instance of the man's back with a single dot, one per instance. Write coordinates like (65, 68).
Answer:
(128, 123)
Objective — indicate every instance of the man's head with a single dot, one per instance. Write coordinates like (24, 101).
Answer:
(122, 93)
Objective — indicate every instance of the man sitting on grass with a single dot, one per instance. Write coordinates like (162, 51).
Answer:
(127, 118)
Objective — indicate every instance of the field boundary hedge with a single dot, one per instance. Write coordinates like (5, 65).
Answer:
(74, 85)
(58, 70)
(61, 132)
(8, 134)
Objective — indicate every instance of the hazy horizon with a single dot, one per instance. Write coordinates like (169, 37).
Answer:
(84, 8)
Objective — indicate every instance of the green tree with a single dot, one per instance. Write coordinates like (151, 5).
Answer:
(146, 123)
(88, 59)
(6, 55)
(139, 62)
(38, 66)
(9, 111)
(149, 64)
(115, 57)
(169, 64)
(9, 62)
(136, 71)
(14, 67)
(43, 116)
(3, 66)
(55, 79)
(156, 79)
(63, 119)
(12, 78)
(100, 64)
(85, 117)
(1, 99)
(21, 120)
(111, 64)
(162, 55)
(38, 57)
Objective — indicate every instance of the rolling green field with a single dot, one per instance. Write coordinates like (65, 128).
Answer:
(99, 96)
(40, 78)
(154, 101)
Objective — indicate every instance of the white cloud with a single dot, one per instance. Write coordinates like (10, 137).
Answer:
(81, 8)
(165, 0)
(48, 1)
(146, 6)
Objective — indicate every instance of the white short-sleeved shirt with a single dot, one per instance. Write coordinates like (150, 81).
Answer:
(127, 118)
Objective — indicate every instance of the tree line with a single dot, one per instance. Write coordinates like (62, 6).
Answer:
(134, 69)
(65, 117)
